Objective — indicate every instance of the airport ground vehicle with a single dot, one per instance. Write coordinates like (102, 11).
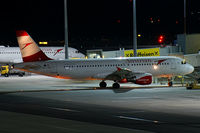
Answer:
(194, 85)
(7, 71)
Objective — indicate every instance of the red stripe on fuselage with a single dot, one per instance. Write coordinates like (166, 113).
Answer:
(39, 56)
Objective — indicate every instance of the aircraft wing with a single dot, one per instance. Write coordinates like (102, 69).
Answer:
(6, 63)
(124, 75)
(11, 61)
(119, 74)
(116, 75)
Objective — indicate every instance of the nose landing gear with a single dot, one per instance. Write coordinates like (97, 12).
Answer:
(170, 82)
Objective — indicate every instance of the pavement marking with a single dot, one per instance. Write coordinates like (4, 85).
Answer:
(138, 119)
(134, 111)
(64, 109)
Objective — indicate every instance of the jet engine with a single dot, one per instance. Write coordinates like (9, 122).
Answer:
(123, 81)
(144, 80)
(138, 78)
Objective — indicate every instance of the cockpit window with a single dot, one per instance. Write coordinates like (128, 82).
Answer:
(183, 62)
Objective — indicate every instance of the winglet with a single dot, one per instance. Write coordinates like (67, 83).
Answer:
(29, 49)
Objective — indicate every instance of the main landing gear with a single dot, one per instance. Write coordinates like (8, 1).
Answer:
(115, 85)
(170, 83)
(102, 84)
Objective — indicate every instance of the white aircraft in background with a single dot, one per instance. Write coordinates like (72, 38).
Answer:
(138, 70)
(13, 54)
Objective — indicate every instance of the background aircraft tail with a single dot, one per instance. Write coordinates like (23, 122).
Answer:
(29, 49)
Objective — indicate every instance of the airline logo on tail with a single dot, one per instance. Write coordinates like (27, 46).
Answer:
(26, 45)
(57, 51)
(29, 49)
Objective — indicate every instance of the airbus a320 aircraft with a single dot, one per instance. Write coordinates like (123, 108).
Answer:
(138, 70)
(13, 54)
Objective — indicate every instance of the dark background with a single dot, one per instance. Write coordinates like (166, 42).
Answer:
(105, 24)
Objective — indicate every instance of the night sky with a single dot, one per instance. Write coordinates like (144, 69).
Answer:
(97, 23)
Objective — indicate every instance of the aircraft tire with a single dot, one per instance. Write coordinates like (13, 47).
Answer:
(102, 84)
(6, 75)
(20, 75)
(116, 85)
(170, 84)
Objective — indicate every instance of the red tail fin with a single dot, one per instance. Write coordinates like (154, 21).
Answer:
(29, 49)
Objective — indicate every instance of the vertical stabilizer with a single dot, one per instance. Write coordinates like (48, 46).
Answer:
(29, 49)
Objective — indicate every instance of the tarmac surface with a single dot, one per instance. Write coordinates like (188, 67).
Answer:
(43, 104)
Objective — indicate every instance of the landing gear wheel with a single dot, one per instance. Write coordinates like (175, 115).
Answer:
(116, 85)
(170, 84)
(6, 75)
(102, 84)
(20, 74)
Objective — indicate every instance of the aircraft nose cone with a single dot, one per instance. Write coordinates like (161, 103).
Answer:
(190, 69)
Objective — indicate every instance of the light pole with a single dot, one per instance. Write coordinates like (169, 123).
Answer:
(185, 24)
(185, 19)
(134, 29)
(66, 30)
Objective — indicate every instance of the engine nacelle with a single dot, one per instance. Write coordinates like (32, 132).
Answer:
(123, 81)
(140, 78)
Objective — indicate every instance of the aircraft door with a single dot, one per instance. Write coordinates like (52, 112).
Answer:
(173, 65)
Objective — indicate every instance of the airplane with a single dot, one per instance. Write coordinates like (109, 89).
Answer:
(13, 54)
(137, 70)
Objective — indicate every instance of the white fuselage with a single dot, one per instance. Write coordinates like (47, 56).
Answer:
(13, 54)
(100, 68)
